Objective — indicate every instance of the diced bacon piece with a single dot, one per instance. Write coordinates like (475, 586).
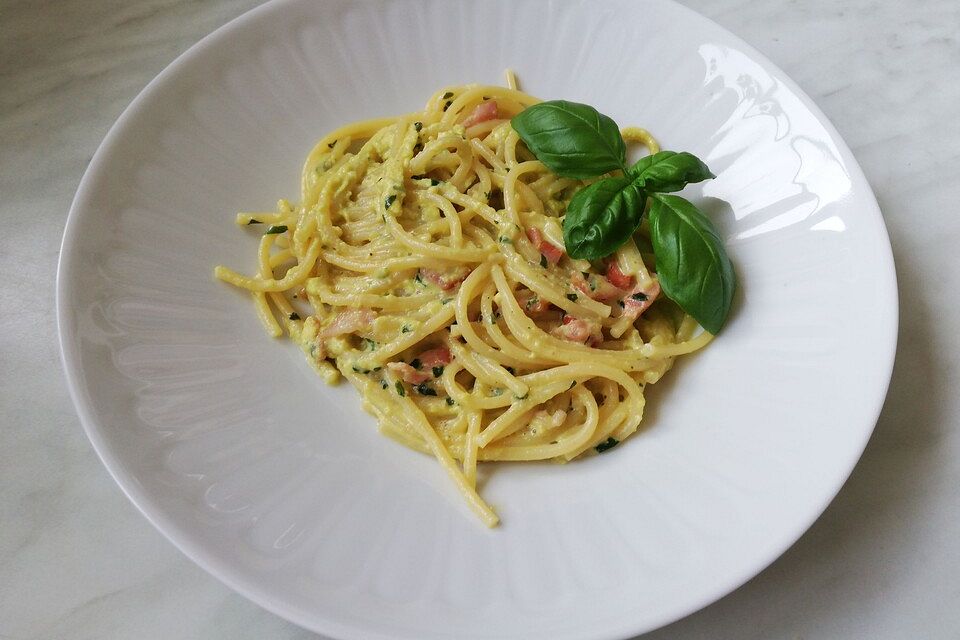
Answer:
(482, 112)
(579, 330)
(437, 357)
(407, 373)
(617, 277)
(349, 321)
(549, 251)
(532, 303)
(640, 299)
(596, 288)
(445, 280)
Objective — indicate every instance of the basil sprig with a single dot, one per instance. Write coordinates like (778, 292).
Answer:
(576, 141)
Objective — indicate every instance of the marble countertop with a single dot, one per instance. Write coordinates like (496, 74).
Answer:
(883, 562)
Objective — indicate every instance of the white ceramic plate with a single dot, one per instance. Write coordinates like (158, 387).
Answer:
(282, 488)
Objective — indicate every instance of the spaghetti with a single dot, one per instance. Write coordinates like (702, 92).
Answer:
(424, 263)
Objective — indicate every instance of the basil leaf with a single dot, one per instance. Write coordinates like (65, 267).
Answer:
(573, 140)
(601, 217)
(692, 264)
(668, 171)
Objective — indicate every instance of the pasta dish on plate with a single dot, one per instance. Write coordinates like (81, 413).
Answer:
(427, 262)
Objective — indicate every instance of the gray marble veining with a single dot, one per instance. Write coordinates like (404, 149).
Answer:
(76, 559)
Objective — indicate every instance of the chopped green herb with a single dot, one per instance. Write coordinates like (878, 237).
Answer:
(383, 384)
(504, 240)
(275, 228)
(449, 402)
(609, 443)
(415, 363)
(399, 387)
(512, 371)
(389, 201)
(357, 369)
(446, 301)
(433, 182)
(543, 261)
(425, 390)
(437, 371)
(448, 94)
(253, 221)
(405, 329)
(418, 279)
(330, 144)
(523, 397)
(642, 297)
(446, 105)
(620, 303)
(418, 126)
(368, 344)
(294, 316)
(417, 148)
(572, 297)
(572, 385)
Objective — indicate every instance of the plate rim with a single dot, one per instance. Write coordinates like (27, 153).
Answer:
(223, 572)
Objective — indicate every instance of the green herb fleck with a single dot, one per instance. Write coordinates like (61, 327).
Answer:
(523, 397)
(383, 384)
(399, 387)
(449, 402)
(512, 371)
(425, 390)
(275, 228)
(607, 444)
(389, 201)
(446, 105)
(448, 94)
(330, 144)
(437, 371)
(405, 329)
(294, 316)
(639, 296)
(415, 363)
(572, 297)
(253, 221)
(418, 125)
(543, 261)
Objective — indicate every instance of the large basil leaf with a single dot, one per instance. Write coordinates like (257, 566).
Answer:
(573, 140)
(692, 264)
(601, 217)
(668, 171)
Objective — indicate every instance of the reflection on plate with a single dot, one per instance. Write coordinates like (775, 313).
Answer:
(282, 487)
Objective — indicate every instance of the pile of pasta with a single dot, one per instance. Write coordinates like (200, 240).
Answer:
(424, 263)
